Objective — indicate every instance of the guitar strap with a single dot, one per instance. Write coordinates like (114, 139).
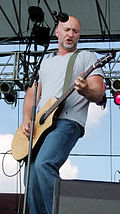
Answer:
(69, 70)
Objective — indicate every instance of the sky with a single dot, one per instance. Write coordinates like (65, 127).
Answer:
(95, 157)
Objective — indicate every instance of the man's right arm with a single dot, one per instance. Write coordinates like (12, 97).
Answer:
(27, 108)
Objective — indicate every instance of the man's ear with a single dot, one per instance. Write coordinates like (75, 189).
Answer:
(57, 32)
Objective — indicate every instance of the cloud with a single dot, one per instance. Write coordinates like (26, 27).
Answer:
(8, 167)
(95, 114)
(68, 171)
(5, 142)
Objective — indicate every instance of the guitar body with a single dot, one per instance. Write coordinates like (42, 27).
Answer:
(20, 143)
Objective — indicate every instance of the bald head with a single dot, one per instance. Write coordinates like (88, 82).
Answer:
(68, 34)
(72, 19)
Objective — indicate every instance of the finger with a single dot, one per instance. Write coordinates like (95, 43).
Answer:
(79, 82)
(26, 130)
(81, 74)
(80, 79)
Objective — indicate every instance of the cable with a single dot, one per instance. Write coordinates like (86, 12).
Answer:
(20, 165)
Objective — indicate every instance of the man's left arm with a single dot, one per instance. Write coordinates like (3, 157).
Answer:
(91, 88)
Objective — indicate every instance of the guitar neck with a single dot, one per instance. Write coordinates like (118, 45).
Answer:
(67, 93)
(59, 101)
(86, 73)
(71, 89)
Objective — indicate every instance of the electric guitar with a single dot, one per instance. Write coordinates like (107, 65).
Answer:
(46, 119)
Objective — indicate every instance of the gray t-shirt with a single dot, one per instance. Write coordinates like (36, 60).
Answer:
(51, 76)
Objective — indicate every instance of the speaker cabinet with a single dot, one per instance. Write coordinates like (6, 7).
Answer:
(12, 203)
(86, 197)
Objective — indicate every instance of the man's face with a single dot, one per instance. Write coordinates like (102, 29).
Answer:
(68, 34)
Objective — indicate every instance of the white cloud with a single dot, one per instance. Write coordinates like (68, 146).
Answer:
(95, 114)
(5, 142)
(68, 171)
(8, 167)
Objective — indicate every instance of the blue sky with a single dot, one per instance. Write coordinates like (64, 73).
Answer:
(89, 160)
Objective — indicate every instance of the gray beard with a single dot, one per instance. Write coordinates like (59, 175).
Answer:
(69, 47)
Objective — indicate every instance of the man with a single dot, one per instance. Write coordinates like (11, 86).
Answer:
(71, 121)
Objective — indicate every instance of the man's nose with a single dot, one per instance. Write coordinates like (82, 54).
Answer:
(71, 33)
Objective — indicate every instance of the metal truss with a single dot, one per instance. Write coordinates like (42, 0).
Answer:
(18, 67)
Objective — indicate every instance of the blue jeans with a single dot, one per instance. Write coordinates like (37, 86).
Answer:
(45, 168)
